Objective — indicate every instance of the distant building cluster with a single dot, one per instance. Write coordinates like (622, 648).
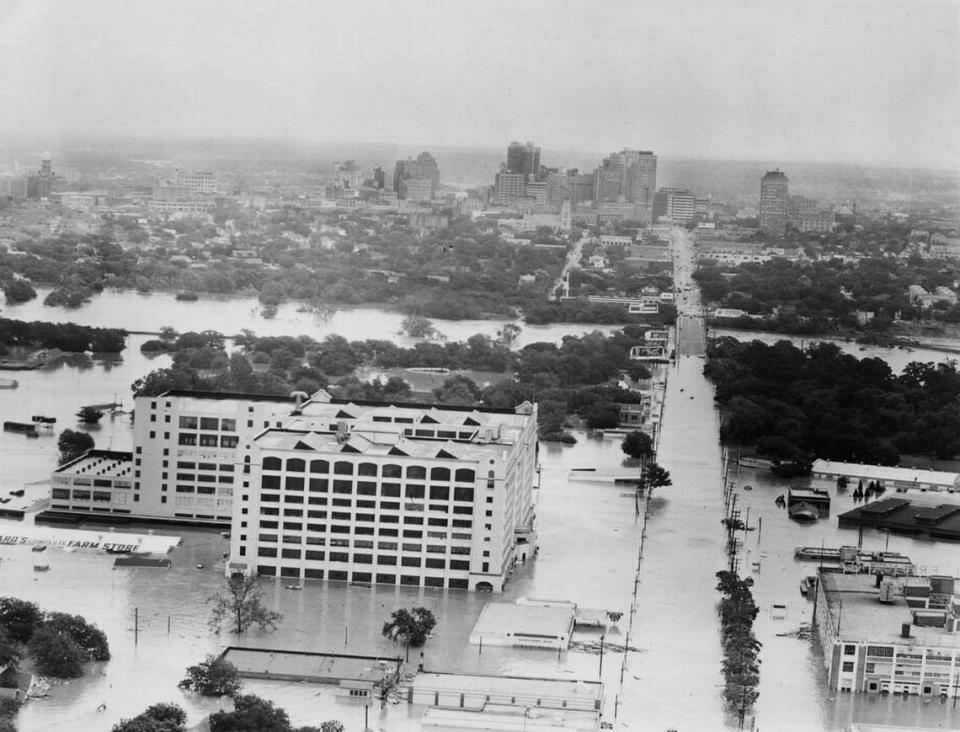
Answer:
(621, 187)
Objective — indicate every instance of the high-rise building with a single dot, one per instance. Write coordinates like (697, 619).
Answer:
(570, 186)
(508, 188)
(774, 193)
(674, 204)
(200, 182)
(629, 176)
(524, 160)
(423, 168)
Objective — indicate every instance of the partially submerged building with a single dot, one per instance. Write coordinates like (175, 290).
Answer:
(890, 635)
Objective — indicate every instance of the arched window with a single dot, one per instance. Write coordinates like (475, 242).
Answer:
(440, 474)
(367, 469)
(465, 475)
(392, 471)
(342, 467)
(296, 465)
(416, 472)
(319, 466)
(271, 463)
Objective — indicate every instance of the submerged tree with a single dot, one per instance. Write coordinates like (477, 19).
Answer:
(212, 677)
(410, 627)
(240, 603)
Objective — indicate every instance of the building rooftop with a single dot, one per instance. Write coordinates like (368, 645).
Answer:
(385, 441)
(854, 604)
(321, 667)
(505, 620)
(543, 688)
(886, 472)
(100, 464)
(939, 518)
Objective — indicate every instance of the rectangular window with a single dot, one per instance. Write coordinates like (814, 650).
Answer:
(294, 484)
(412, 534)
(208, 440)
(386, 559)
(459, 564)
(343, 486)
(267, 551)
(209, 423)
(436, 563)
(228, 425)
(414, 491)
(410, 561)
(292, 499)
(391, 490)
(463, 494)
(315, 555)
(188, 423)
(416, 520)
(319, 485)
(185, 439)
(848, 666)
(292, 526)
(290, 553)
(229, 441)
(268, 538)
(366, 488)
(439, 493)
(339, 557)
(363, 558)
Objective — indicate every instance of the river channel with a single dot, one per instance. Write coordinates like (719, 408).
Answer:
(590, 538)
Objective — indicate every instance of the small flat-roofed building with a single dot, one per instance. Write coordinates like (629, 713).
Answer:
(99, 481)
(888, 476)
(479, 692)
(348, 671)
(526, 626)
(875, 642)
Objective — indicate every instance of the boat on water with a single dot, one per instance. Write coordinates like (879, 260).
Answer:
(9, 383)
(41, 567)
(27, 428)
(803, 513)
(43, 423)
(429, 370)
(807, 583)
(39, 548)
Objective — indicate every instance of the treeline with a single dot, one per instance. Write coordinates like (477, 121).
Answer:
(572, 379)
(825, 296)
(796, 405)
(64, 336)
(741, 649)
(584, 311)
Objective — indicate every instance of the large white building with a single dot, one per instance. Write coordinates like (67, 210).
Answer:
(320, 488)
(415, 495)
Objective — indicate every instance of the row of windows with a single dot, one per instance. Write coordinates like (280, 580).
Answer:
(206, 440)
(390, 470)
(367, 488)
(337, 575)
(270, 552)
(190, 465)
(208, 423)
(359, 543)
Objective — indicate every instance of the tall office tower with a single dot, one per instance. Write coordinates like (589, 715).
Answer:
(773, 202)
(629, 176)
(570, 185)
(524, 160)
(508, 188)
(423, 168)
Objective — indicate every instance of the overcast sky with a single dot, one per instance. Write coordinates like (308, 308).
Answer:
(848, 80)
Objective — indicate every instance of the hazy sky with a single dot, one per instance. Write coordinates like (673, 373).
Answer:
(850, 80)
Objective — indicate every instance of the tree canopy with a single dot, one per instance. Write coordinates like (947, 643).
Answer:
(241, 605)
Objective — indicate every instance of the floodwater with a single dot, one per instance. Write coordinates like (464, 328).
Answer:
(590, 539)
(136, 311)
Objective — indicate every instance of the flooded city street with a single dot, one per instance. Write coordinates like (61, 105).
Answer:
(590, 539)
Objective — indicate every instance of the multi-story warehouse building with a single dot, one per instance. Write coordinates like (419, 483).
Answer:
(889, 636)
(425, 495)
(416, 495)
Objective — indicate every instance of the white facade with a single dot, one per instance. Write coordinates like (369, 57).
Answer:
(413, 495)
